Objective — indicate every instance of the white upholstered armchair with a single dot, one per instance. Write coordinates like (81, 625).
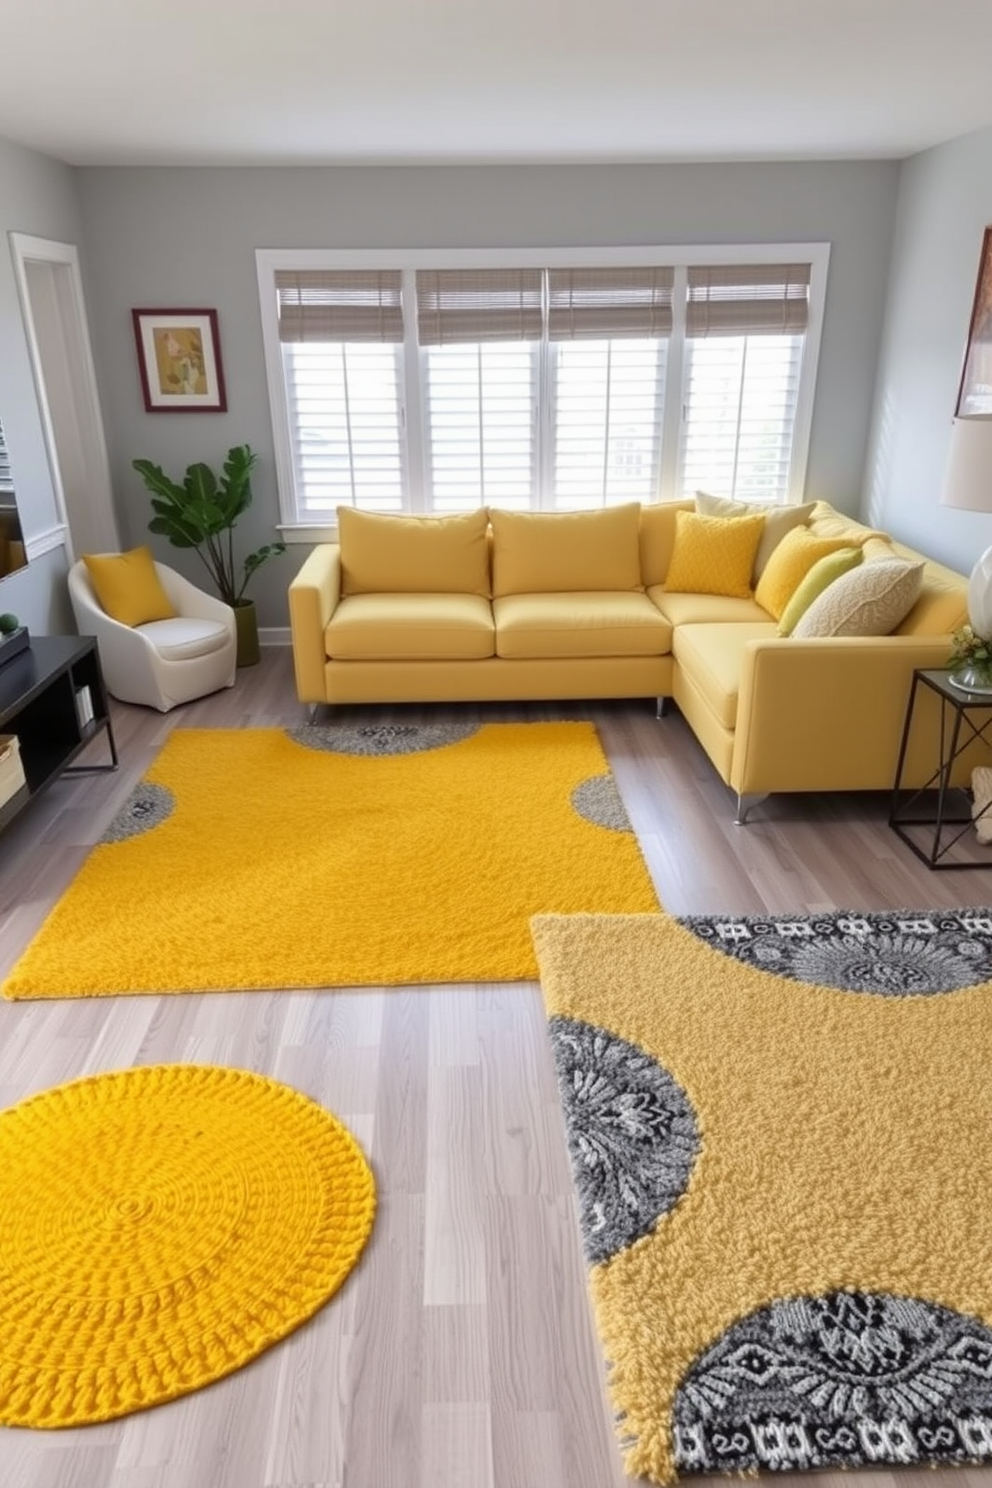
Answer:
(164, 662)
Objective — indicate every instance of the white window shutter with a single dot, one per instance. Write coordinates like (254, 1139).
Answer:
(343, 401)
(481, 415)
(609, 398)
(739, 415)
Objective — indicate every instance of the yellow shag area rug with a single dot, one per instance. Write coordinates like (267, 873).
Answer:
(256, 858)
(161, 1226)
(784, 1186)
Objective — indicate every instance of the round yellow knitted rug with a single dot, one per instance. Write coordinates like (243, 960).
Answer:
(161, 1226)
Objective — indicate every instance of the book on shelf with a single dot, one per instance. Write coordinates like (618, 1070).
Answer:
(84, 706)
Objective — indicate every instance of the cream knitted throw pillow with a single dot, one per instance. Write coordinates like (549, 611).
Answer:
(869, 601)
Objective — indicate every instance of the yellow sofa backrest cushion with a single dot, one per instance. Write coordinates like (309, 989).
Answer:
(943, 603)
(657, 539)
(413, 555)
(128, 587)
(566, 552)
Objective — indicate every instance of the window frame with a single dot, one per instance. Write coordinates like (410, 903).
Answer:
(680, 257)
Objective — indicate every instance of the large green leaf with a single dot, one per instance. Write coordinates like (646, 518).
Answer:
(195, 514)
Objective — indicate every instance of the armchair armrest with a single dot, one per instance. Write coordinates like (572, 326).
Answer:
(313, 597)
(828, 714)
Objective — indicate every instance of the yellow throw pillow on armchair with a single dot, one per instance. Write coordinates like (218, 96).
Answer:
(128, 587)
(713, 555)
(788, 566)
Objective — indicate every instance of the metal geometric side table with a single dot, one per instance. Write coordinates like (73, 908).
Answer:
(956, 710)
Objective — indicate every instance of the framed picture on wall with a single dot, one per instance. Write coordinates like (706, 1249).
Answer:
(975, 392)
(179, 361)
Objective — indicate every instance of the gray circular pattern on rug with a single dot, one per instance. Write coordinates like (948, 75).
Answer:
(381, 738)
(599, 801)
(632, 1134)
(902, 953)
(845, 1379)
(145, 808)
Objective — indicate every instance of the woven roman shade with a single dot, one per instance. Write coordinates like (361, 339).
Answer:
(340, 305)
(461, 305)
(748, 300)
(603, 304)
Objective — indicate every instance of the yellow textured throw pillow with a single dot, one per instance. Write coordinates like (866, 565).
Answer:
(383, 554)
(566, 552)
(714, 555)
(128, 586)
(789, 565)
(778, 521)
(819, 578)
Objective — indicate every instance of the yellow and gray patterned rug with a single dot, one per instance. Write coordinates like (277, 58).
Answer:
(781, 1139)
(339, 857)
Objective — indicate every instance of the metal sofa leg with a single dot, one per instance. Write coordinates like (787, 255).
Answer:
(664, 703)
(745, 805)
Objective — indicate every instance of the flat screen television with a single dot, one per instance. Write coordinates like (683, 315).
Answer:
(12, 551)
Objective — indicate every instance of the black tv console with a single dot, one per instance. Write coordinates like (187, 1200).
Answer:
(38, 703)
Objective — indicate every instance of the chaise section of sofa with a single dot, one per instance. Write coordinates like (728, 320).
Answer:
(787, 713)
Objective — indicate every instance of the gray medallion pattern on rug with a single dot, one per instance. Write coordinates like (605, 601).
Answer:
(632, 1134)
(599, 801)
(898, 953)
(847, 1379)
(146, 807)
(381, 738)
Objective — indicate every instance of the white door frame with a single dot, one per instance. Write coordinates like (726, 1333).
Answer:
(64, 257)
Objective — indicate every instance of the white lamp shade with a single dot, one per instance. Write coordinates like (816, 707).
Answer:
(968, 481)
(968, 485)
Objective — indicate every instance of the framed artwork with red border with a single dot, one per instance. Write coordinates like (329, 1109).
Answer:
(975, 390)
(179, 361)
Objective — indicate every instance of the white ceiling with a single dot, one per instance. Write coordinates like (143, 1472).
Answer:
(207, 82)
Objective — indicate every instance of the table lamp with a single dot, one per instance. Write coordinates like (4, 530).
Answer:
(968, 485)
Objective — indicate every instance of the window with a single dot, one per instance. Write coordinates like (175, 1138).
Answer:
(745, 328)
(6, 480)
(480, 331)
(341, 336)
(422, 387)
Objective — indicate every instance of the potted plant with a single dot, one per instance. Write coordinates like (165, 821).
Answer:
(202, 514)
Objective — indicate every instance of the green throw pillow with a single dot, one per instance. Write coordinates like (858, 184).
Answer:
(820, 577)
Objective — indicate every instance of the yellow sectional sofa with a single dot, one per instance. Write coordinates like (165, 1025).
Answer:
(617, 603)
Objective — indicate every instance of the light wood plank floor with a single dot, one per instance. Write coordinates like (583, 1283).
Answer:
(461, 1353)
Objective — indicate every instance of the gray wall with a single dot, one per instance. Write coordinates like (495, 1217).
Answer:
(945, 202)
(37, 196)
(185, 238)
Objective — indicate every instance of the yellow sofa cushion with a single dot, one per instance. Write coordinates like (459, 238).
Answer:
(410, 627)
(820, 577)
(712, 657)
(703, 609)
(657, 529)
(128, 587)
(566, 552)
(778, 521)
(590, 624)
(869, 601)
(942, 606)
(714, 555)
(383, 554)
(789, 565)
